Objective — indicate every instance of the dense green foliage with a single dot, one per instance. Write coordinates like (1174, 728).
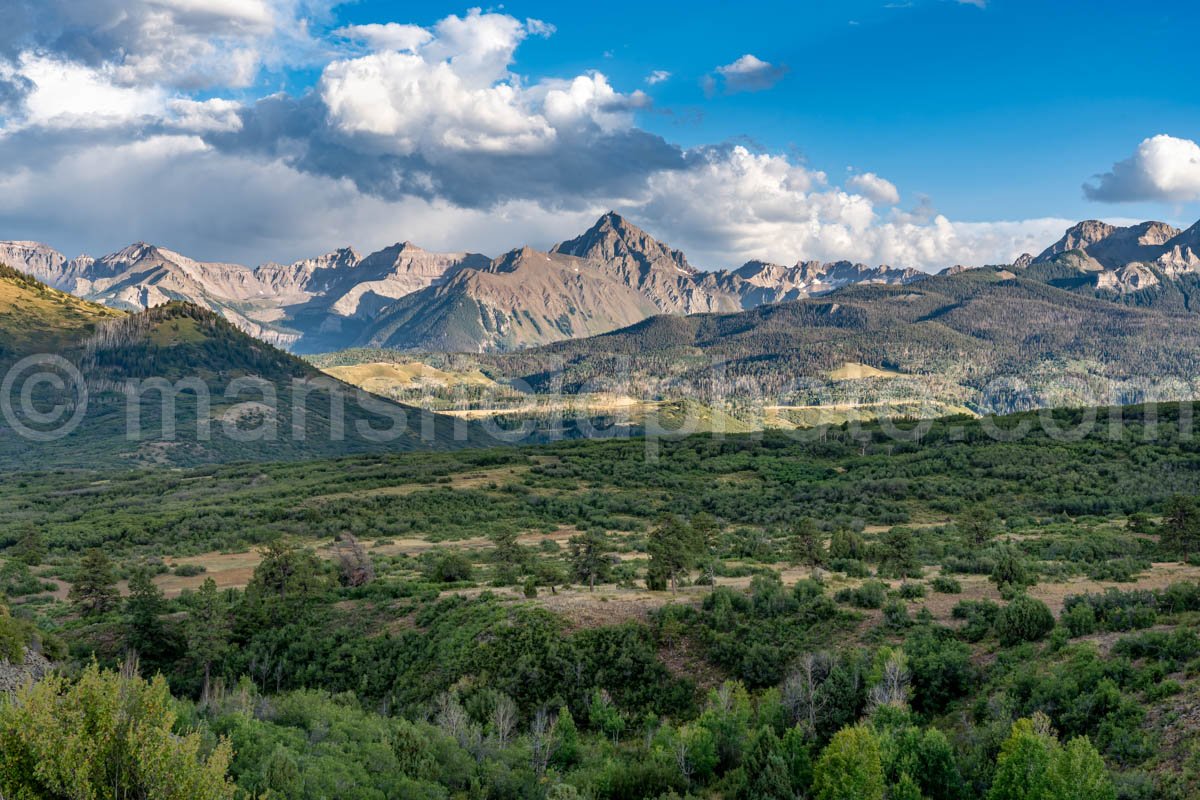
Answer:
(490, 650)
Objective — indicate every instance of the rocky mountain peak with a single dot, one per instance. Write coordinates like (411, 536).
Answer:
(1154, 233)
(1112, 246)
(613, 239)
(517, 257)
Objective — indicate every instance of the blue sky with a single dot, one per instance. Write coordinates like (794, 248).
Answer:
(920, 133)
(997, 112)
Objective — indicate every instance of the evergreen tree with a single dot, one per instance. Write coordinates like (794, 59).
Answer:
(144, 607)
(94, 590)
(1010, 570)
(208, 629)
(977, 526)
(805, 545)
(897, 554)
(508, 555)
(767, 773)
(29, 549)
(589, 557)
(567, 752)
(846, 544)
(285, 583)
(905, 789)
(672, 552)
(705, 536)
(1181, 526)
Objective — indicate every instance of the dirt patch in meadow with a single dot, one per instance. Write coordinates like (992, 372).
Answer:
(1159, 576)
(228, 571)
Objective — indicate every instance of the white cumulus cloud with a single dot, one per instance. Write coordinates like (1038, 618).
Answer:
(389, 36)
(66, 94)
(1162, 168)
(453, 91)
(750, 74)
(762, 206)
(880, 191)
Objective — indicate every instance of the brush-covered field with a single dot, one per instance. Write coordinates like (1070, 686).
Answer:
(995, 607)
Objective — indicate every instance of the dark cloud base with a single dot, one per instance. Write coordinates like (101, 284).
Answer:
(578, 166)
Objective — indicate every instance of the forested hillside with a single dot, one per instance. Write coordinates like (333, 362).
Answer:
(991, 339)
(176, 385)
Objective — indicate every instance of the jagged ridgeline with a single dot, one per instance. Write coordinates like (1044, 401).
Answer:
(177, 385)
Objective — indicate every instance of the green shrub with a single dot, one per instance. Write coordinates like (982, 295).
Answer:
(851, 567)
(1121, 570)
(1024, 620)
(980, 616)
(895, 615)
(870, 595)
(451, 568)
(946, 585)
(1135, 609)
(1080, 620)
(911, 591)
(189, 570)
(1010, 569)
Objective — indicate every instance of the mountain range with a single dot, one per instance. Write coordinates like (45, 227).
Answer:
(1105, 312)
(1105, 315)
(613, 275)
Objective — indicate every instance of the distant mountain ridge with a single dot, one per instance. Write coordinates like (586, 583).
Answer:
(612, 275)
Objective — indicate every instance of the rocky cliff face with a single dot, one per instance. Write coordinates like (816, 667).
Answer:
(14, 676)
(1112, 246)
(1181, 253)
(298, 281)
(772, 283)
(42, 262)
(394, 272)
(522, 299)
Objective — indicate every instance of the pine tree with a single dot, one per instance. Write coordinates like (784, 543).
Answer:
(94, 590)
(977, 526)
(897, 554)
(805, 545)
(284, 584)
(706, 535)
(208, 629)
(509, 556)
(1181, 526)
(589, 557)
(144, 608)
(672, 552)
